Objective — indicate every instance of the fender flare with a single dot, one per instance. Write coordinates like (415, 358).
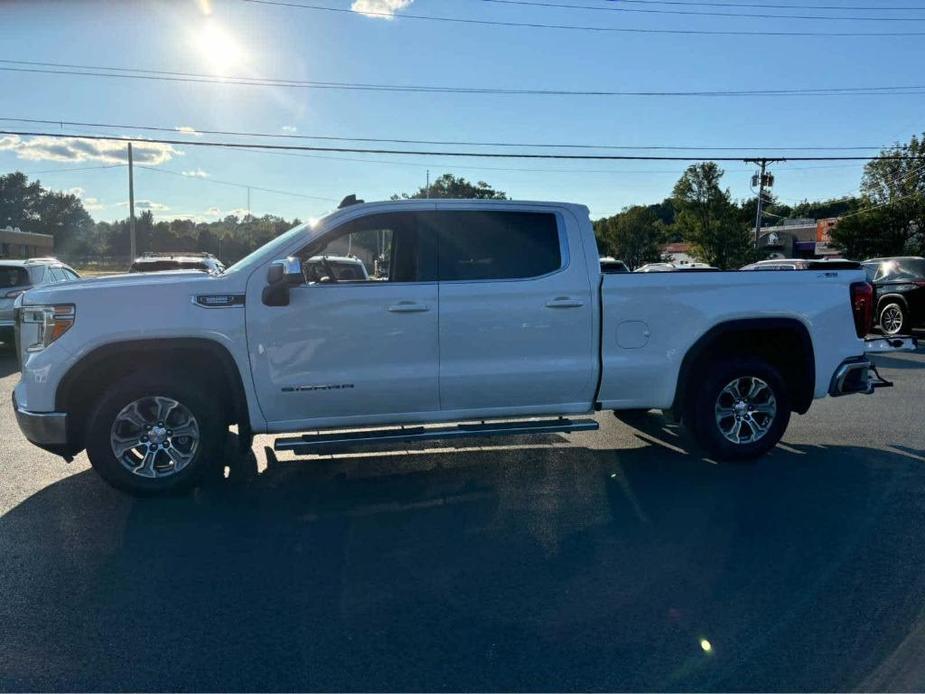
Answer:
(802, 396)
(230, 371)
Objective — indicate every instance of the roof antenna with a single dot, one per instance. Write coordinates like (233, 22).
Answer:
(348, 201)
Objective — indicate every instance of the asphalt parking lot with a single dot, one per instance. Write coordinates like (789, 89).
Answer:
(616, 560)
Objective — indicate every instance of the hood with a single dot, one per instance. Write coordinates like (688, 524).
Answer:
(147, 284)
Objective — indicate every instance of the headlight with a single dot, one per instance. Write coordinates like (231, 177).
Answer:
(52, 321)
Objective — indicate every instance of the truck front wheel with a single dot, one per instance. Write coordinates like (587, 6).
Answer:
(155, 433)
(740, 409)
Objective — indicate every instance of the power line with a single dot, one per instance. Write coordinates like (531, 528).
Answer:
(449, 153)
(621, 8)
(237, 185)
(79, 168)
(769, 6)
(575, 27)
(191, 77)
(459, 143)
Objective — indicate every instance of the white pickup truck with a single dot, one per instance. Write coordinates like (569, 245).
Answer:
(492, 312)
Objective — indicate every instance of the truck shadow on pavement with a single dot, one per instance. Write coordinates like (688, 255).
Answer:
(546, 568)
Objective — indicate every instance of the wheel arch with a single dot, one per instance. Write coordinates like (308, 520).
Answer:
(783, 342)
(898, 298)
(207, 359)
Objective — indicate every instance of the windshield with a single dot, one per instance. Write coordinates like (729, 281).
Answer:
(276, 244)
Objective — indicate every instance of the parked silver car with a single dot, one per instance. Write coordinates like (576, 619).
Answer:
(17, 276)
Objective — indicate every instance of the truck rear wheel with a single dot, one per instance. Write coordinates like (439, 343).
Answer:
(740, 409)
(155, 433)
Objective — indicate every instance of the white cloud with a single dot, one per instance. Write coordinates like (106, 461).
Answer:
(75, 149)
(289, 129)
(196, 173)
(213, 212)
(380, 9)
(90, 204)
(187, 130)
(146, 205)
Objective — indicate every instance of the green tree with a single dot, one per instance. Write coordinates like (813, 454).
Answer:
(450, 186)
(891, 217)
(19, 201)
(707, 218)
(31, 207)
(634, 235)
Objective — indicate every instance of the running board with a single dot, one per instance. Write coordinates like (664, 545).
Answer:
(308, 444)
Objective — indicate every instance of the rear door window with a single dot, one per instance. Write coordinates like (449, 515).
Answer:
(495, 245)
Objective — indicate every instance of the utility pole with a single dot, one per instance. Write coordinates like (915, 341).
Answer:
(248, 201)
(131, 207)
(762, 179)
(427, 186)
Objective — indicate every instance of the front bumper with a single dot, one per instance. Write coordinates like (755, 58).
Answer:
(45, 429)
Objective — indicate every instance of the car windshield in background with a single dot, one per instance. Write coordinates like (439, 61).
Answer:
(348, 271)
(161, 265)
(13, 277)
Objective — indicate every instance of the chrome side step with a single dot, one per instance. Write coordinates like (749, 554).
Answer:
(309, 444)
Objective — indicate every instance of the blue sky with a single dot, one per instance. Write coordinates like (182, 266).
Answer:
(234, 37)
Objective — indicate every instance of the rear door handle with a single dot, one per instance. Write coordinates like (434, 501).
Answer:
(564, 302)
(408, 307)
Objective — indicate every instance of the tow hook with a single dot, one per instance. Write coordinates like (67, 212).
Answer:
(881, 382)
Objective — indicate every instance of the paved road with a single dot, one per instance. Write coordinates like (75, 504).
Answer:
(593, 561)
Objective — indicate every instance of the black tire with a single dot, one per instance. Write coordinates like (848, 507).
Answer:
(182, 388)
(890, 311)
(708, 398)
(7, 341)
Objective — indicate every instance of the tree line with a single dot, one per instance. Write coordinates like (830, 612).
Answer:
(886, 218)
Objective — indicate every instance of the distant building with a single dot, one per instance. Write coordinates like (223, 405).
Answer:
(799, 238)
(15, 243)
(678, 253)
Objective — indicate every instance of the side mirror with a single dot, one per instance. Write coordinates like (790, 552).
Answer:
(281, 275)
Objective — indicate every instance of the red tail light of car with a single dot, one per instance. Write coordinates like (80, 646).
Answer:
(862, 306)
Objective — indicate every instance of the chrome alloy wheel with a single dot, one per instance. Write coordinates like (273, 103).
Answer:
(745, 410)
(154, 436)
(891, 320)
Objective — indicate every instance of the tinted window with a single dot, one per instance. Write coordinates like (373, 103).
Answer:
(495, 245)
(70, 274)
(912, 268)
(56, 273)
(13, 277)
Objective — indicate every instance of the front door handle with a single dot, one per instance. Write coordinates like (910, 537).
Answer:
(564, 302)
(408, 307)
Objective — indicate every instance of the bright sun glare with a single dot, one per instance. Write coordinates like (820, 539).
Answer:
(219, 48)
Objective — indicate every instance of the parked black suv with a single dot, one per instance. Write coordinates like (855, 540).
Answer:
(899, 287)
